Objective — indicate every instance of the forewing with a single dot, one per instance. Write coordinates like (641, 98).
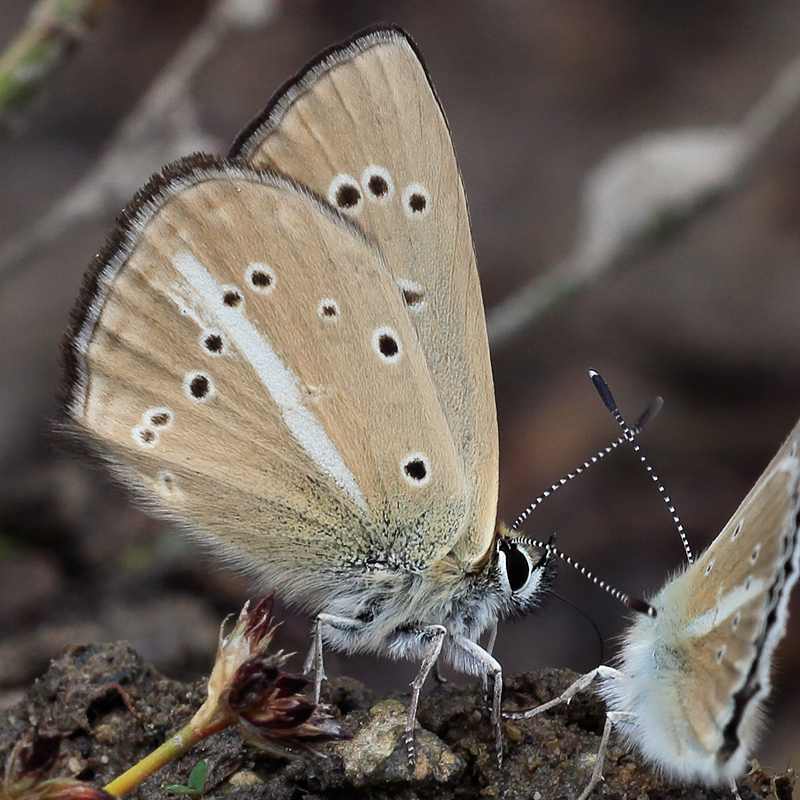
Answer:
(227, 360)
(362, 126)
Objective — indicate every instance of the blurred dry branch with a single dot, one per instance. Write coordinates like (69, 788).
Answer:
(161, 128)
(53, 30)
(628, 197)
(639, 188)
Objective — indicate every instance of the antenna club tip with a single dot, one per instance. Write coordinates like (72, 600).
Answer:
(642, 607)
(592, 373)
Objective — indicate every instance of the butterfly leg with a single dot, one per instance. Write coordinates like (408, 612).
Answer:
(490, 668)
(612, 717)
(314, 658)
(492, 638)
(489, 649)
(566, 696)
(735, 791)
(435, 635)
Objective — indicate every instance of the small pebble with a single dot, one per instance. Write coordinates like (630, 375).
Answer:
(244, 778)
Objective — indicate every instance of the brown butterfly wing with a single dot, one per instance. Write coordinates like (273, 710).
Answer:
(224, 361)
(362, 126)
(734, 607)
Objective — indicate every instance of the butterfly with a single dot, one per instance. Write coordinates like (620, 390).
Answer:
(284, 352)
(692, 675)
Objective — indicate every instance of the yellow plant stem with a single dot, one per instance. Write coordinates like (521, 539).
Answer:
(177, 744)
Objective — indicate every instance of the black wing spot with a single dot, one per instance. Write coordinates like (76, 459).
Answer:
(161, 418)
(413, 294)
(232, 298)
(213, 343)
(416, 469)
(328, 309)
(378, 186)
(145, 436)
(261, 278)
(416, 201)
(386, 343)
(198, 387)
(168, 481)
(347, 196)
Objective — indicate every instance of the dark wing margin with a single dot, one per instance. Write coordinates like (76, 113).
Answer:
(300, 81)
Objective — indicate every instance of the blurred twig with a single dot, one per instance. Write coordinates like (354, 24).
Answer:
(628, 197)
(162, 127)
(656, 178)
(53, 30)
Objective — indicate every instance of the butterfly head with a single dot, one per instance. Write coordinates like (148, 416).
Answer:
(523, 572)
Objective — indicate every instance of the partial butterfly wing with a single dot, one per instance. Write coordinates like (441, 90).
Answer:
(242, 357)
(362, 126)
(696, 676)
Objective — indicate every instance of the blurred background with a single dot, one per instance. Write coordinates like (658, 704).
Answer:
(536, 93)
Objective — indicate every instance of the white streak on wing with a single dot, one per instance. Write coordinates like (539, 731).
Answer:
(725, 608)
(279, 379)
(187, 306)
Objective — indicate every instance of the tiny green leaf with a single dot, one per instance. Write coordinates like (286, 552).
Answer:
(197, 782)
(197, 777)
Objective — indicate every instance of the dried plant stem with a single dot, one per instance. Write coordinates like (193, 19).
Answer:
(162, 127)
(614, 219)
(54, 29)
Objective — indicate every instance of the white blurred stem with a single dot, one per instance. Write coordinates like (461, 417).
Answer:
(645, 183)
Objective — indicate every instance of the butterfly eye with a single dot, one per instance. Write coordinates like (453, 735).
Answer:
(518, 572)
(198, 387)
(345, 194)
(378, 184)
(261, 278)
(416, 469)
(416, 201)
(518, 569)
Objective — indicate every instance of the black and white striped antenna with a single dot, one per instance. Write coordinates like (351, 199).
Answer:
(629, 435)
(633, 603)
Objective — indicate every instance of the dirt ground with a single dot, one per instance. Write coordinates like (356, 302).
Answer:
(112, 709)
(536, 93)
